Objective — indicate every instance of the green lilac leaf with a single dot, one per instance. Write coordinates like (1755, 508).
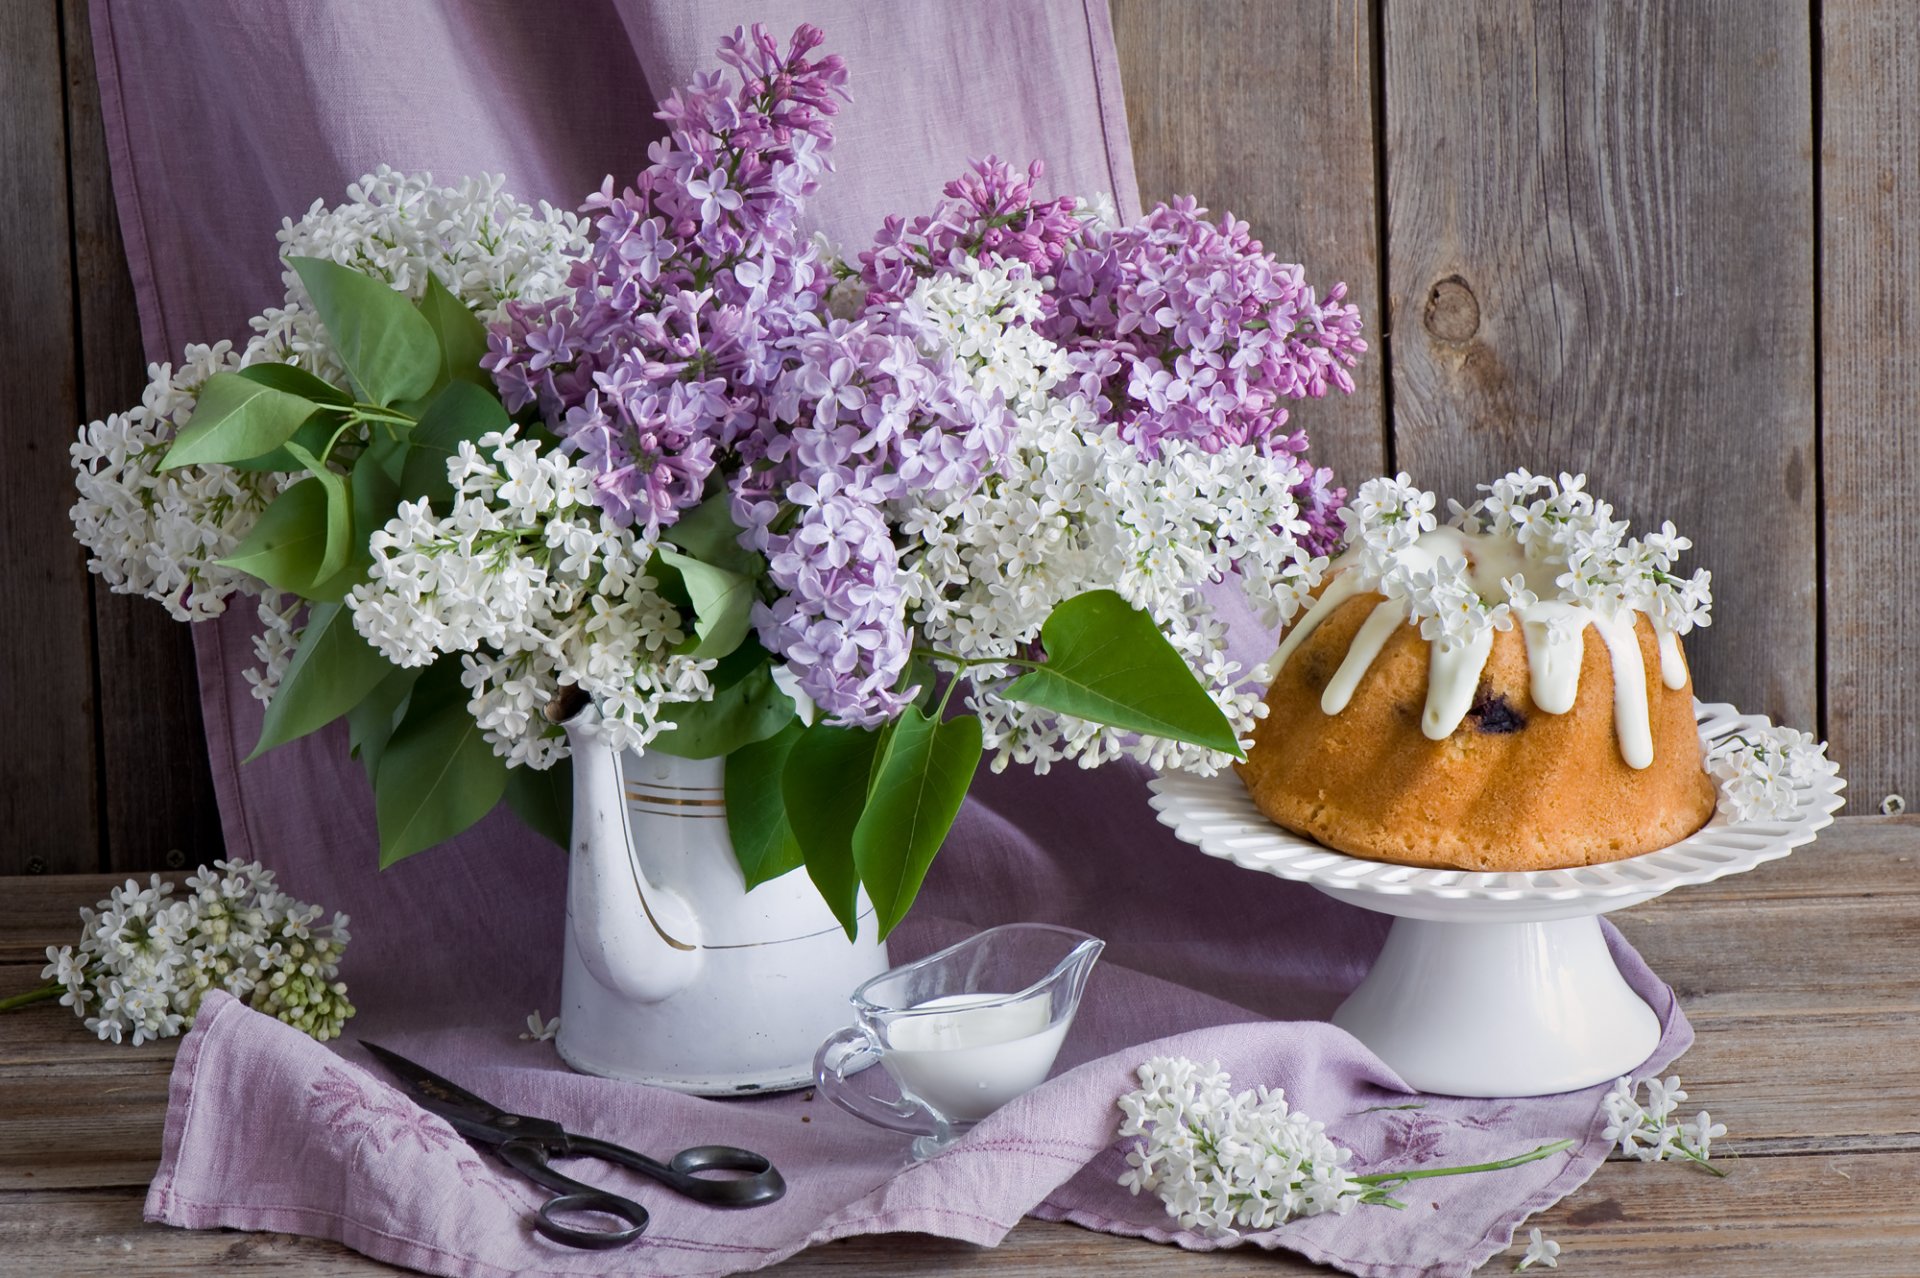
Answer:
(746, 706)
(314, 435)
(371, 722)
(461, 413)
(460, 336)
(438, 775)
(374, 487)
(543, 800)
(294, 380)
(388, 347)
(339, 543)
(331, 672)
(925, 770)
(763, 839)
(825, 788)
(235, 418)
(288, 541)
(1108, 663)
(708, 533)
(722, 603)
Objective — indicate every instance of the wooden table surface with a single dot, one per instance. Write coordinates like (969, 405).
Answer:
(1802, 980)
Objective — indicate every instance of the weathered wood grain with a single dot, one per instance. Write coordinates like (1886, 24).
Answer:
(1821, 1214)
(1272, 120)
(36, 912)
(48, 789)
(1600, 231)
(1869, 307)
(159, 807)
(1804, 999)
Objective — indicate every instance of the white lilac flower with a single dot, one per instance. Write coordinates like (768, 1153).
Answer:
(1892, 805)
(281, 617)
(1760, 771)
(1075, 507)
(161, 533)
(1223, 1163)
(1649, 1133)
(538, 590)
(1541, 1250)
(147, 956)
(539, 1031)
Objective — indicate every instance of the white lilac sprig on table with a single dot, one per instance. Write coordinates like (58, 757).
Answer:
(1760, 770)
(147, 956)
(678, 473)
(1225, 1162)
(1649, 1133)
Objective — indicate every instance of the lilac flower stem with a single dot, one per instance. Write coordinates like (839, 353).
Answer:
(934, 654)
(51, 990)
(1385, 1179)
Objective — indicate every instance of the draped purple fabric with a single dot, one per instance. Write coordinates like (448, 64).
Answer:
(223, 117)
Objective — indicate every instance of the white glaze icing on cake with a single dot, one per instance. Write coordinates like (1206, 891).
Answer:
(1554, 630)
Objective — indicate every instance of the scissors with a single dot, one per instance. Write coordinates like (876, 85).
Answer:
(525, 1144)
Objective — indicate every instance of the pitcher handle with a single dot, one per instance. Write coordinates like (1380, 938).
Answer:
(851, 1050)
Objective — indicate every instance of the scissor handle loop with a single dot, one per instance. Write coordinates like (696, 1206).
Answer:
(529, 1158)
(591, 1200)
(761, 1185)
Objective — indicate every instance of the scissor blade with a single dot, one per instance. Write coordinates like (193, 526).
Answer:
(435, 1094)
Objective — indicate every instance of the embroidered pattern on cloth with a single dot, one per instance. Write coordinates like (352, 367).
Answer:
(350, 1107)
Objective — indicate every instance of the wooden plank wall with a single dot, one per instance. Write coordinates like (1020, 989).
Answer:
(1675, 246)
(105, 766)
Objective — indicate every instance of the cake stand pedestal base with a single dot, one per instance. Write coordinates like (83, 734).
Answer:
(1498, 983)
(1483, 1007)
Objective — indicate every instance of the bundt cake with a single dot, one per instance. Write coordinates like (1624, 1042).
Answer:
(1507, 692)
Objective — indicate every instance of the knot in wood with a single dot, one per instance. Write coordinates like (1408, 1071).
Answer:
(1453, 312)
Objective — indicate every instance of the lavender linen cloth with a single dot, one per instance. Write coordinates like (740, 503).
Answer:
(268, 1130)
(222, 117)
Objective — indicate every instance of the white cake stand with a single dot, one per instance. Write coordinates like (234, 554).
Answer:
(1495, 984)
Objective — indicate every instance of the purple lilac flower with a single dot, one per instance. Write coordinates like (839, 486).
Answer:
(839, 620)
(989, 212)
(1320, 501)
(1184, 329)
(873, 417)
(656, 362)
(1188, 330)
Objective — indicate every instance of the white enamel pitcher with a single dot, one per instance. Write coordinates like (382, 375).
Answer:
(675, 974)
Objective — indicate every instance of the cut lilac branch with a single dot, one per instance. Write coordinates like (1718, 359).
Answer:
(46, 993)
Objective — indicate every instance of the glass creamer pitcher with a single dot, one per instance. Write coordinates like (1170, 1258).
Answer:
(960, 1032)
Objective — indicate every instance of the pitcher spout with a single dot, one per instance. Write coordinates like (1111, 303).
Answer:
(635, 936)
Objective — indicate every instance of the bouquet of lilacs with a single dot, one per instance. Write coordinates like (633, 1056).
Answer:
(147, 956)
(690, 481)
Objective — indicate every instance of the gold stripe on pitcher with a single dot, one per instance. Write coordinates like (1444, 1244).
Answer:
(635, 795)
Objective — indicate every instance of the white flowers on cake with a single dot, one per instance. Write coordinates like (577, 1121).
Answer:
(1077, 508)
(1760, 770)
(148, 956)
(1575, 550)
